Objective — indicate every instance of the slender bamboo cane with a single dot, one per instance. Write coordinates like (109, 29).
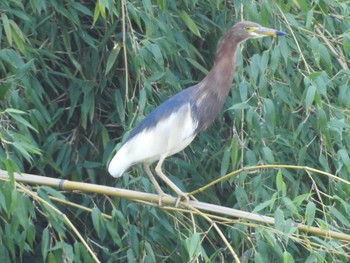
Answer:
(166, 200)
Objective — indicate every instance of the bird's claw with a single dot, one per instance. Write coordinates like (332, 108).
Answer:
(182, 197)
(160, 197)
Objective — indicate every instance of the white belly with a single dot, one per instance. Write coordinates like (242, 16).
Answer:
(169, 136)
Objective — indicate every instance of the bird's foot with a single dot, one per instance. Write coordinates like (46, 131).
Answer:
(182, 197)
(160, 197)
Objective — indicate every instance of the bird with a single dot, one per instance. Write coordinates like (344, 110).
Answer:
(173, 125)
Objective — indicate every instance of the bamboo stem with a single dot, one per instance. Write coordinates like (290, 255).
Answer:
(169, 200)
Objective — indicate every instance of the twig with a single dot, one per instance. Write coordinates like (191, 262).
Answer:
(125, 52)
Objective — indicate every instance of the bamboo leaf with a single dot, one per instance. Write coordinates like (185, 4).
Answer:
(21, 120)
(193, 244)
(279, 219)
(310, 213)
(7, 28)
(338, 215)
(45, 239)
(95, 216)
(310, 95)
(14, 111)
(112, 57)
(287, 257)
(281, 186)
(190, 23)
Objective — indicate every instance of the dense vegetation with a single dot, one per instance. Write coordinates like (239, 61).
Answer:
(77, 76)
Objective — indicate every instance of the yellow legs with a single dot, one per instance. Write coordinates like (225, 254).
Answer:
(159, 172)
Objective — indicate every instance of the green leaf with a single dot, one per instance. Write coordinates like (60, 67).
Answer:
(95, 216)
(281, 186)
(258, 258)
(53, 192)
(150, 252)
(242, 196)
(338, 215)
(303, 5)
(287, 257)
(279, 219)
(91, 165)
(298, 200)
(189, 23)
(20, 119)
(14, 111)
(16, 31)
(270, 115)
(235, 152)
(344, 157)
(268, 155)
(24, 149)
(290, 205)
(97, 12)
(81, 8)
(225, 162)
(197, 65)
(45, 239)
(275, 58)
(193, 244)
(315, 47)
(310, 95)
(112, 57)
(263, 205)
(11, 167)
(7, 27)
(130, 256)
(2, 201)
(162, 4)
(310, 213)
(240, 106)
(321, 120)
(134, 240)
(147, 4)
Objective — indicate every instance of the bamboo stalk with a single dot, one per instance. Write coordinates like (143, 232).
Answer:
(166, 200)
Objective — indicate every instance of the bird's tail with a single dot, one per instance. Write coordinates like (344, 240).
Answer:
(118, 164)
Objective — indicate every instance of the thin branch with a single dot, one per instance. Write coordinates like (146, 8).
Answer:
(169, 200)
(125, 52)
(268, 166)
(307, 66)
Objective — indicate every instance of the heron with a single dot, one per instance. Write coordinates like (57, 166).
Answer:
(173, 125)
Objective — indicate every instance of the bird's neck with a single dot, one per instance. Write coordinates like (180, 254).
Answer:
(219, 78)
(210, 94)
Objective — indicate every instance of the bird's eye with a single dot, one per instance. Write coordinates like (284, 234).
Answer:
(248, 28)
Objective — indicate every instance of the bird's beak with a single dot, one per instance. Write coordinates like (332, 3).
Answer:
(264, 31)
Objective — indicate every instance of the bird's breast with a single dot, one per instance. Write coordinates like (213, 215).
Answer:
(167, 137)
(206, 108)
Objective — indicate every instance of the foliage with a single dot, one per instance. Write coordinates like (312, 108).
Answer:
(77, 76)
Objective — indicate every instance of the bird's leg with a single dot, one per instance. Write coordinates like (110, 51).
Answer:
(160, 173)
(154, 182)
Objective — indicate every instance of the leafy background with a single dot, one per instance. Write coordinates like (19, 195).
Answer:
(77, 76)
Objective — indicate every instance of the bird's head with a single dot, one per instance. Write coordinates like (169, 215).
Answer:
(246, 29)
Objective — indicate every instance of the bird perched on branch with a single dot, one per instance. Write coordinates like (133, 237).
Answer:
(175, 123)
